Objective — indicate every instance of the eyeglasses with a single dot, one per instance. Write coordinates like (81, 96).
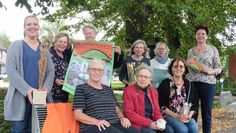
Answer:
(143, 77)
(138, 47)
(96, 70)
(178, 66)
(161, 48)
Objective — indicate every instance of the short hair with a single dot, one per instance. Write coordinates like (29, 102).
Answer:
(203, 27)
(146, 50)
(59, 35)
(178, 59)
(159, 44)
(144, 67)
(90, 26)
(94, 61)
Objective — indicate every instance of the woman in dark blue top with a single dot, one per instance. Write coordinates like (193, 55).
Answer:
(139, 54)
(60, 61)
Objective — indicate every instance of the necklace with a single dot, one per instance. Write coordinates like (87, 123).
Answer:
(179, 82)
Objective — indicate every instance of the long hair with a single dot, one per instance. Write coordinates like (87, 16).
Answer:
(30, 16)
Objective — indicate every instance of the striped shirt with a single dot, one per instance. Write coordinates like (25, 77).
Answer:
(96, 103)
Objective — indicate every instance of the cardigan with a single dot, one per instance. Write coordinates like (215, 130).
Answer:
(129, 66)
(134, 106)
(164, 93)
(14, 101)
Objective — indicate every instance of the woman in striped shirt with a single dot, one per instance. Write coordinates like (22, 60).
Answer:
(95, 105)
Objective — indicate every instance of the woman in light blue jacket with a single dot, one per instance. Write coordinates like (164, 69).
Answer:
(23, 72)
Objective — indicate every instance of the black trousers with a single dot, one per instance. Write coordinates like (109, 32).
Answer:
(114, 128)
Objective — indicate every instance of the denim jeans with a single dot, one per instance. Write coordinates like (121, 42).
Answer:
(180, 127)
(206, 93)
(23, 126)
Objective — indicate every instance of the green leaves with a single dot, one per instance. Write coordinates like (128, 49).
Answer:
(124, 21)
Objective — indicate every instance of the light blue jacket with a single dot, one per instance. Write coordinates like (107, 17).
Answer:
(14, 102)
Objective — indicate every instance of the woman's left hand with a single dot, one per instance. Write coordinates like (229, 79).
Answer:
(45, 89)
(125, 122)
(184, 118)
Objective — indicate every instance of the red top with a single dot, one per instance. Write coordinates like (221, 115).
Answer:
(134, 106)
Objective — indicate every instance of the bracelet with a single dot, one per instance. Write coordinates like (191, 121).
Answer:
(163, 108)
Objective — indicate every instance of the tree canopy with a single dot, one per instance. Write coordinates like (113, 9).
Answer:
(4, 40)
(151, 20)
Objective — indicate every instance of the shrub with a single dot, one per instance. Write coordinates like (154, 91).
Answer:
(4, 125)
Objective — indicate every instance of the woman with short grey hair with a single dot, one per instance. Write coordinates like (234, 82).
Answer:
(160, 63)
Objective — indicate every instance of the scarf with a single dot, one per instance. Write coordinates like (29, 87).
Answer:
(160, 59)
(142, 89)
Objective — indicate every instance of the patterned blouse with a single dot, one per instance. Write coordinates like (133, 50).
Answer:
(210, 59)
(176, 98)
(60, 65)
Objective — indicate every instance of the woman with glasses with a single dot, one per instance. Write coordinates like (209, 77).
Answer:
(177, 99)
(160, 63)
(139, 56)
(141, 105)
(95, 106)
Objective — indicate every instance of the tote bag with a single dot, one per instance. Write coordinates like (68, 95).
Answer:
(60, 119)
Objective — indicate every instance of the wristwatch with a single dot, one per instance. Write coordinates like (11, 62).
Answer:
(163, 108)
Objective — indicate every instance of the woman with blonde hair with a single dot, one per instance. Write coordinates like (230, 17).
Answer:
(23, 72)
(60, 61)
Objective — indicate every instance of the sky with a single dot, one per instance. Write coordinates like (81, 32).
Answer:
(11, 22)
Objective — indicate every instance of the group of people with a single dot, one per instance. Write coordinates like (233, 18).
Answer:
(160, 91)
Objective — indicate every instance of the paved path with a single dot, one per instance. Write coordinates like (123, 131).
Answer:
(3, 84)
(232, 130)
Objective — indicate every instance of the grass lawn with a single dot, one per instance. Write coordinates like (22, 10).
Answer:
(117, 85)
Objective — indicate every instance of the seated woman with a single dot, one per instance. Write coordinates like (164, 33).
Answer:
(95, 105)
(176, 95)
(141, 105)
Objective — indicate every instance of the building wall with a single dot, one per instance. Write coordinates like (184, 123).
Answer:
(232, 66)
(3, 56)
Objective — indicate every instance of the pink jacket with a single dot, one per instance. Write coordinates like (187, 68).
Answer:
(134, 106)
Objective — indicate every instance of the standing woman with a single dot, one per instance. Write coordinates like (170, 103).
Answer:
(177, 99)
(23, 72)
(90, 33)
(139, 54)
(160, 63)
(60, 61)
(204, 81)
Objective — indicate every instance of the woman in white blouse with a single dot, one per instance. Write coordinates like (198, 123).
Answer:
(160, 63)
